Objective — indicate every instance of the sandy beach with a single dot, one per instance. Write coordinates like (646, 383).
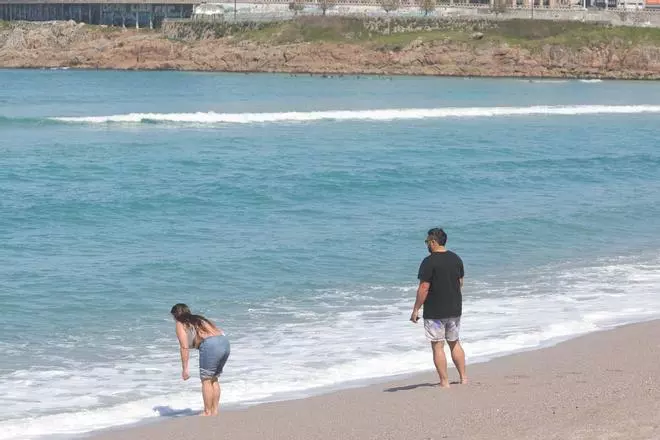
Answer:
(604, 385)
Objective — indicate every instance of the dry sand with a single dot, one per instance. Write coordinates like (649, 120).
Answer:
(604, 385)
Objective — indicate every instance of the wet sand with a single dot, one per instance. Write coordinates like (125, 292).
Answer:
(604, 385)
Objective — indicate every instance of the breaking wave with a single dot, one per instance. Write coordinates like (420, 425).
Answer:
(356, 115)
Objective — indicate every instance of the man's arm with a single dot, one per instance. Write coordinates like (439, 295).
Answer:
(461, 271)
(422, 293)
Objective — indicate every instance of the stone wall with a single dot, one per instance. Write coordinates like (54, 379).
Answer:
(616, 17)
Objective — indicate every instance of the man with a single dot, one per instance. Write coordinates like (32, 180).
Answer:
(440, 282)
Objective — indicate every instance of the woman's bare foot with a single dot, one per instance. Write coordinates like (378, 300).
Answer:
(464, 381)
(444, 385)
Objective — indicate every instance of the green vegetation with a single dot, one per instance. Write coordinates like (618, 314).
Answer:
(390, 5)
(296, 6)
(396, 33)
(309, 29)
(500, 6)
(354, 30)
(324, 5)
(427, 6)
(533, 34)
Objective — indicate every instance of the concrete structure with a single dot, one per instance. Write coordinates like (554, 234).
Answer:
(272, 10)
(135, 13)
(631, 4)
(151, 13)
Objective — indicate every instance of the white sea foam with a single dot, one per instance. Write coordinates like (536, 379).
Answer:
(545, 81)
(294, 347)
(356, 115)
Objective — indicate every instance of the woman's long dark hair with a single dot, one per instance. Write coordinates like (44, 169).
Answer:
(181, 313)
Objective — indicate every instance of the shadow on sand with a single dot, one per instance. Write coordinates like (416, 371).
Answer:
(411, 387)
(166, 411)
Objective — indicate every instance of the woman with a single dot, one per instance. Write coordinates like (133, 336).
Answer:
(195, 331)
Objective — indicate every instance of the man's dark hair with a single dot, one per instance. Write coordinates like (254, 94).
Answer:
(438, 235)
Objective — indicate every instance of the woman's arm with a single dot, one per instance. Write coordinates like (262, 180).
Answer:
(182, 336)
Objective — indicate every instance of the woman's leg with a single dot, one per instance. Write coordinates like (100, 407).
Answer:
(207, 395)
(216, 396)
(213, 353)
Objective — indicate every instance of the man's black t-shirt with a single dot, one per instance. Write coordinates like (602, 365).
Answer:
(444, 271)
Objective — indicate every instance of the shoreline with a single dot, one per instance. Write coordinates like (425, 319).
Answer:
(166, 152)
(478, 371)
(352, 74)
(520, 49)
(334, 75)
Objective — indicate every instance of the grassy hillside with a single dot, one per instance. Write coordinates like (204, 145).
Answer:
(526, 33)
(519, 48)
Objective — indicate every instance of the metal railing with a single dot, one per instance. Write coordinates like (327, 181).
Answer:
(481, 12)
(95, 2)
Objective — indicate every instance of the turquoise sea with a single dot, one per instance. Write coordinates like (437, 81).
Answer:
(293, 211)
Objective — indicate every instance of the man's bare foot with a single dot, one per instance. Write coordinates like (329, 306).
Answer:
(444, 385)
(464, 381)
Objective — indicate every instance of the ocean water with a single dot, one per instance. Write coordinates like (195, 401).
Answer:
(293, 211)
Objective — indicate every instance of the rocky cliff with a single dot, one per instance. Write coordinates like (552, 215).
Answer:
(342, 46)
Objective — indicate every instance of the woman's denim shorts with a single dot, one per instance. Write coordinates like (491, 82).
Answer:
(213, 354)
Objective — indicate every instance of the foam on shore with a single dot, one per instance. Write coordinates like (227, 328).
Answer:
(337, 341)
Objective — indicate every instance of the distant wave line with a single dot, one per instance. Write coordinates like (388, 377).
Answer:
(348, 115)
